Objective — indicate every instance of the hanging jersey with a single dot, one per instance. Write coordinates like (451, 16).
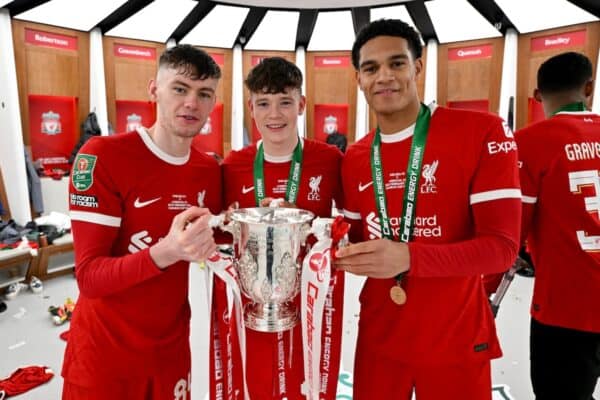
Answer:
(132, 318)
(468, 179)
(560, 177)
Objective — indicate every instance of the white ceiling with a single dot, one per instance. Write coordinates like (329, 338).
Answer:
(452, 20)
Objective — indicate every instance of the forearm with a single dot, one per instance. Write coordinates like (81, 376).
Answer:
(479, 256)
(99, 273)
(493, 248)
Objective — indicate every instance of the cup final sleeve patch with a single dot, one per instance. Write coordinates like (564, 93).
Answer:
(82, 175)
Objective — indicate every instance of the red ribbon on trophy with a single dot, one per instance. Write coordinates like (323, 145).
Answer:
(132, 114)
(52, 129)
(226, 376)
(318, 305)
(328, 119)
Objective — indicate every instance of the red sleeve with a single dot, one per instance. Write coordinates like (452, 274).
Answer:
(493, 249)
(97, 273)
(495, 199)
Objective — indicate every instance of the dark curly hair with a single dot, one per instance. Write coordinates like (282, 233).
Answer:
(387, 27)
(190, 61)
(564, 72)
(274, 75)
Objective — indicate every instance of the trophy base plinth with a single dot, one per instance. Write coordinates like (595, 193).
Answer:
(271, 317)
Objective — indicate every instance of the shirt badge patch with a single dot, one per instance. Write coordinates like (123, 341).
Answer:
(82, 175)
(314, 184)
(429, 176)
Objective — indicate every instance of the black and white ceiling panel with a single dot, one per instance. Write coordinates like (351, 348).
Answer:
(288, 24)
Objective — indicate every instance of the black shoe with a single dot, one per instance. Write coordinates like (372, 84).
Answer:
(2, 306)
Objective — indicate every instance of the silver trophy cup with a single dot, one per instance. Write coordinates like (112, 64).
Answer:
(269, 246)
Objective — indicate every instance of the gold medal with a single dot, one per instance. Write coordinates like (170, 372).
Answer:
(398, 295)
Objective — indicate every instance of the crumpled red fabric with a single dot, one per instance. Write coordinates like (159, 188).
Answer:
(24, 379)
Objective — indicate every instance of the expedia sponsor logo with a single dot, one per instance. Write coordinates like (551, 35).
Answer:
(424, 226)
(84, 201)
(502, 147)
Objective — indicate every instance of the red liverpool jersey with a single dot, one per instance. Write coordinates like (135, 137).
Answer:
(132, 318)
(466, 224)
(273, 371)
(560, 168)
(319, 182)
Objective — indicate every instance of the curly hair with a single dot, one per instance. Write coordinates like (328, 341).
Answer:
(274, 75)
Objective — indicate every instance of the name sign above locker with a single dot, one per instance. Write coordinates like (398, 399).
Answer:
(471, 52)
(567, 39)
(47, 39)
(332, 61)
(138, 52)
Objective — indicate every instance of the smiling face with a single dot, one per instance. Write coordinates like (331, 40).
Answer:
(183, 104)
(276, 116)
(387, 75)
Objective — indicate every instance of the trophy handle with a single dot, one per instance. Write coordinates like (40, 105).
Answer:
(305, 230)
(218, 221)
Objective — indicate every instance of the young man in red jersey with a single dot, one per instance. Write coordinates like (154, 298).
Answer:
(433, 197)
(560, 164)
(140, 204)
(274, 360)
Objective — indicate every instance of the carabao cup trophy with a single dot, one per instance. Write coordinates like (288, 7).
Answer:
(269, 245)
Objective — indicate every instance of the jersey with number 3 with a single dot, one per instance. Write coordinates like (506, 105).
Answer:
(560, 179)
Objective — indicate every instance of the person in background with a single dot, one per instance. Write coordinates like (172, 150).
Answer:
(140, 204)
(560, 167)
(434, 201)
(274, 360)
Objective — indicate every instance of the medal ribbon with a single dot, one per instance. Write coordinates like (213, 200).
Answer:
(579, 106)
(413, 173)
(293, 183)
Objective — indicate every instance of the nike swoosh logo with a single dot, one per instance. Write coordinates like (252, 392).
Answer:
(247, 189)
(362, 187)
(139, 204)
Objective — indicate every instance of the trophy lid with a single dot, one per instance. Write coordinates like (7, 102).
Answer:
(272, 216)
